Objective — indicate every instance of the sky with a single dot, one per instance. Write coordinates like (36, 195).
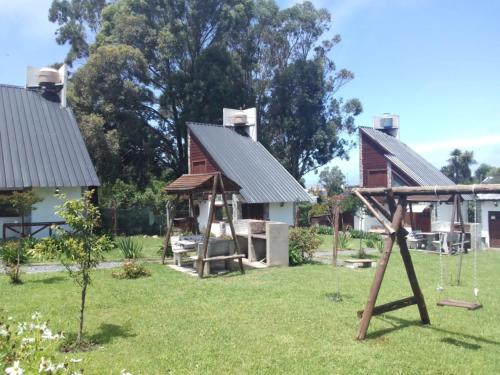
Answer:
(436, 64)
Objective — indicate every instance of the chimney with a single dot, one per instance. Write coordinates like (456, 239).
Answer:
(243, 121)
(49, 81)
(388, 124)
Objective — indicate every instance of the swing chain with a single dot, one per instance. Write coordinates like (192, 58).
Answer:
(440, 286)
(475, 282)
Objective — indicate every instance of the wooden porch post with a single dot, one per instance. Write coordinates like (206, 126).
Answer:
(201, 262)
(170, 224)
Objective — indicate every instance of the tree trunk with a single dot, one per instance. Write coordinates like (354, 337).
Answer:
(82, 310)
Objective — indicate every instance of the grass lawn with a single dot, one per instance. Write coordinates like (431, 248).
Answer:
(273, 321)
(327, 243)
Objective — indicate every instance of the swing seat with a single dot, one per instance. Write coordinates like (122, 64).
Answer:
(461, 304)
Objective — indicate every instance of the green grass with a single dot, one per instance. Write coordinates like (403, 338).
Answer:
(150, 250)
(273, 321)
(327, 243)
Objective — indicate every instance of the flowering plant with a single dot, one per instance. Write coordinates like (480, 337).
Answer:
(29, 347)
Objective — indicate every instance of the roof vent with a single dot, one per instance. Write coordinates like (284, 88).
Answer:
(387, 123)
(48, 77)
(243, 121)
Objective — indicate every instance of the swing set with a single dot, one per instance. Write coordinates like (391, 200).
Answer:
(392, 220)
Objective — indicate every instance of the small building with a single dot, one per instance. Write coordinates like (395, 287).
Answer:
(488, 214)
(386, 161)
(41, 148)
(268, 190)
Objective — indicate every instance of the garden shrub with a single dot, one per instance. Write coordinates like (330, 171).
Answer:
(344, 238)
(12, 255)
(376, 242)
(302, 244)
(324, 230)
(131, 270)
(130, 248)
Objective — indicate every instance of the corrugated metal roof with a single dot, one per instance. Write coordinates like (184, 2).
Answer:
(40, 143)
(201, 181)
(261, 177)
(409, 161)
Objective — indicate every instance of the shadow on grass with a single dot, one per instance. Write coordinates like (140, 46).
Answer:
(398, 323)
(107, 332)
(49, 280)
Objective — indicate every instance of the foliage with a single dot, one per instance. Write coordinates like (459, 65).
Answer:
(376, 242)
(131, 270)
(81, 246)
(130, 249)
(344, 239)
(29, 347)
(319, 209)
(332, 179)
(12, 255)
(485, 170)
(303, 214)
(350, 204)
(458, 167)
(302, 242)
(147, 75)
(324, 230)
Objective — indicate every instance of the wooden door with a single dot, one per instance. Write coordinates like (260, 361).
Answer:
(494, 228)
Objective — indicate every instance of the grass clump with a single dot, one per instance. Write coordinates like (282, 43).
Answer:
(131, 270)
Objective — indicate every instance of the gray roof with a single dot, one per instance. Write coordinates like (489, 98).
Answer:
(407, 160)
(262, 178)
(40, 143)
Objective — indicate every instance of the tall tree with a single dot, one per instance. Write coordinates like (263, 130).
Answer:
(459, 166)
(332, 179)
(485, 170)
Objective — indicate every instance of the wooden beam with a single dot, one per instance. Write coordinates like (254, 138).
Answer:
(336, 218)
(461, 304)
(391, 306)
(374, 212)
(412, 276)
(201, 262)
(379, 273)
(224, 257)
(432, 190)
(231, 226)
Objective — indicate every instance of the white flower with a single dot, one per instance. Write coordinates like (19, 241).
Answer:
(125, 372)
(36, 316)
(75, 360)
(27, 340)
(4, 332)
(21, 327)
(76, 373)
(10, 318)
(47, 334)
(14, 370)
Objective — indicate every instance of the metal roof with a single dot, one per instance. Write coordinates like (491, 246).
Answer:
(40, 143)
(200, 182)
(407, 160)
(261, 177)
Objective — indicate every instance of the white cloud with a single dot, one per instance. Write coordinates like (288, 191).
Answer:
(461, 143)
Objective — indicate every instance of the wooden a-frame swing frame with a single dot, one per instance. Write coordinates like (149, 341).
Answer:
(189, 184)
(392, 220)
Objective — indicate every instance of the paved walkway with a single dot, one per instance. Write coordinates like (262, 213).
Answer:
(56, 267)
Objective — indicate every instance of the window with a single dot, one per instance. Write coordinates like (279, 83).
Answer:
(199, 167)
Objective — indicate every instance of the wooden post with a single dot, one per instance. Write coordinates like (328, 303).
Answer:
(379, 273)
(410, 271)
(201, 262)
(336, 218)
(452, 223)
(170, 224)
(412, 220)
(374, 212)
(231, 225)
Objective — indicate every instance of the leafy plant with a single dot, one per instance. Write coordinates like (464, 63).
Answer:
(131, 270)
(81, 246)
(130, 248)
(376, 243)
(302, 242)
(12, 256)
(29, 348)
(324, 230)
(344, 238)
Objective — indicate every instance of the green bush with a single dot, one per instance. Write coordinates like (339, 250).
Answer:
(12, 255)
(302, 244)
(376, 242)
(131, 270)
(129, 248)
(324, 230)
(344, 238)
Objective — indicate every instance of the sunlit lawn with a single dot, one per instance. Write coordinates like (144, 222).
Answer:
(273, 321)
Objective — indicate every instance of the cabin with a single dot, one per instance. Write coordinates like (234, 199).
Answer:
(488, 214)
(268, 191)
(386, 161)
(42, 149)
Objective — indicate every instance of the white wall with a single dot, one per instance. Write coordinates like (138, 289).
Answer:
(486, 207)
(282, 214)
(45, 210)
